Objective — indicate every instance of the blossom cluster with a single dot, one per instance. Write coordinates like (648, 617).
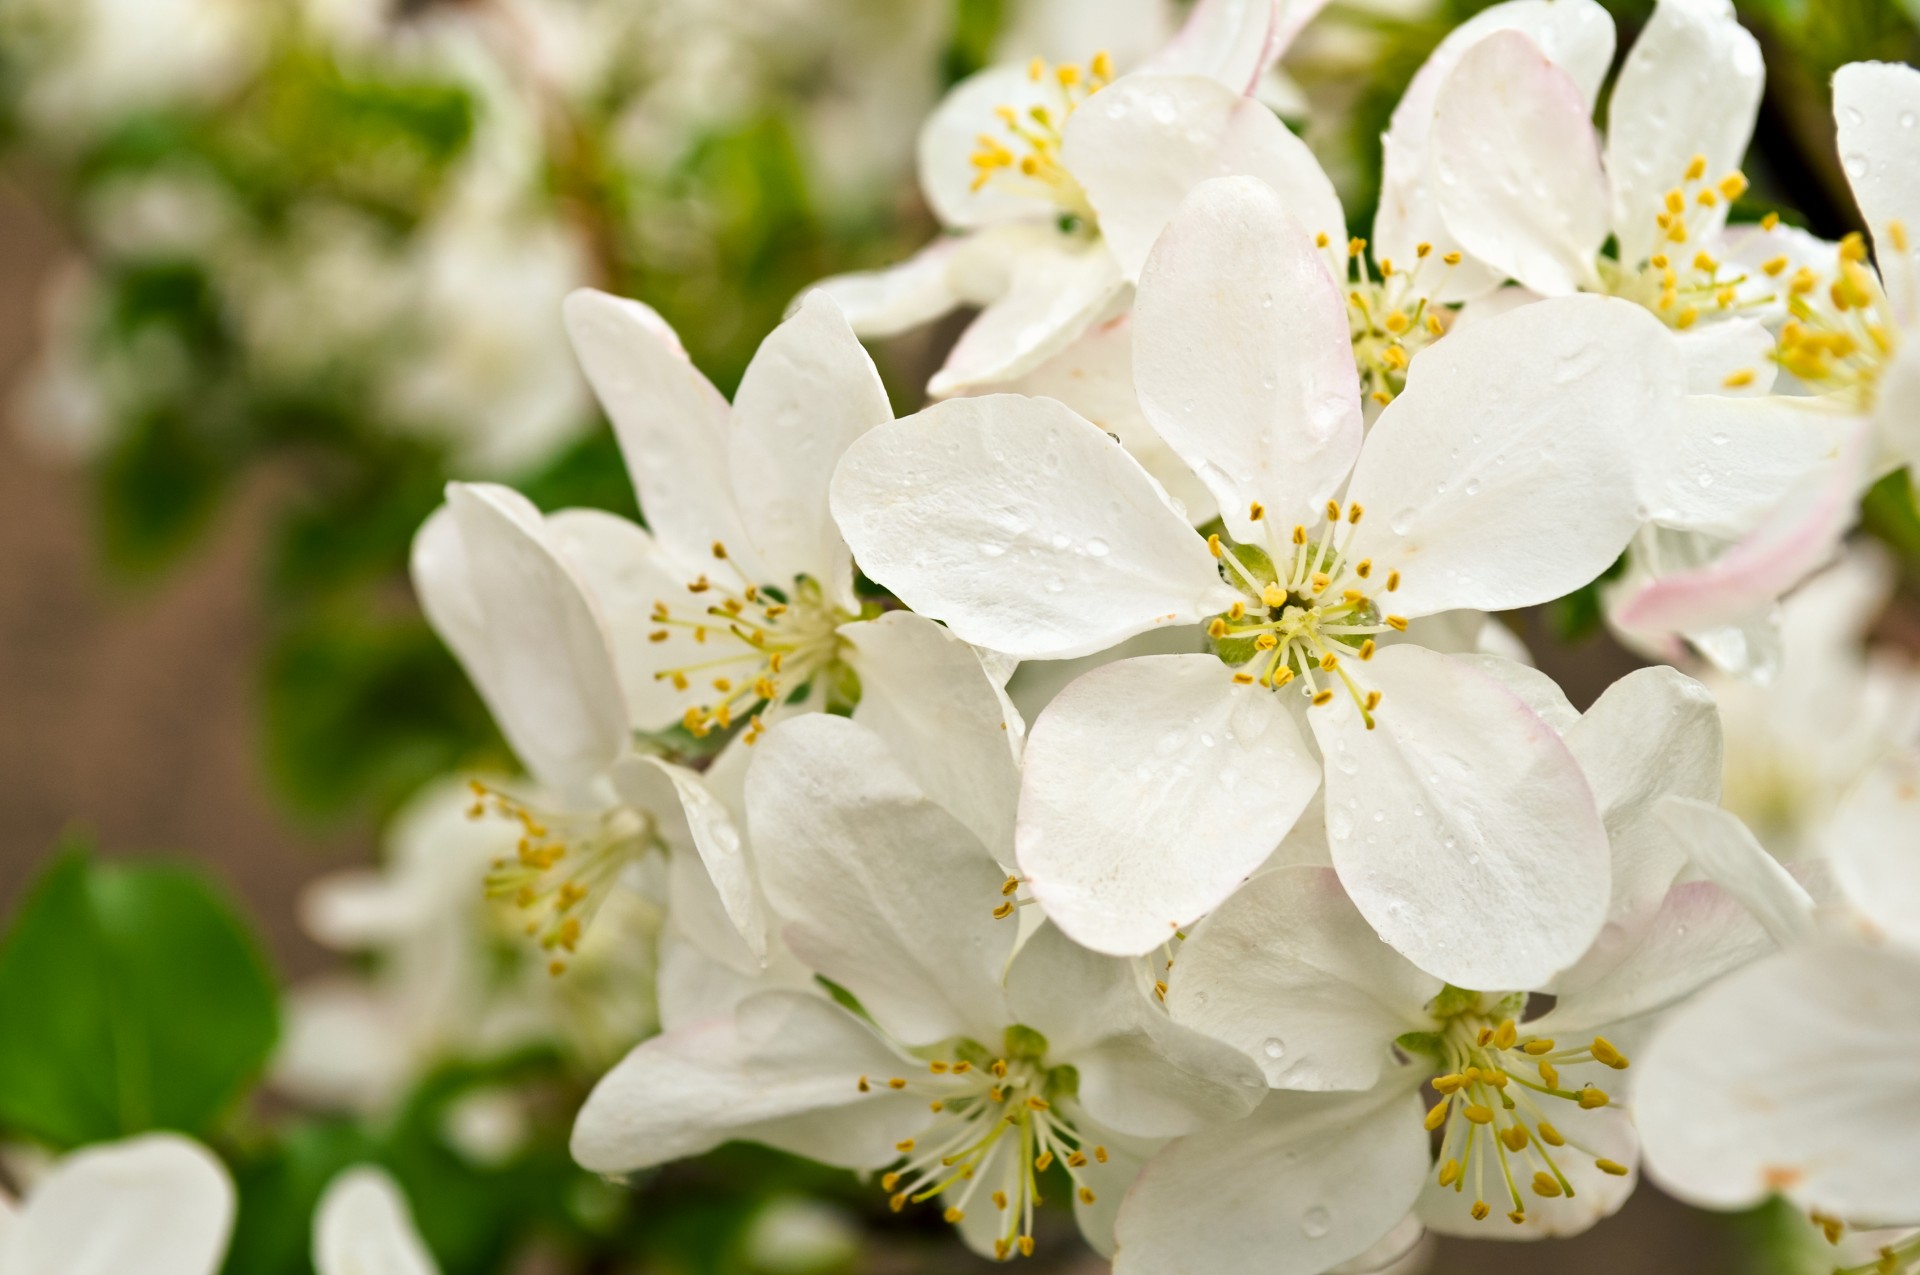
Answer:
(1112, 784)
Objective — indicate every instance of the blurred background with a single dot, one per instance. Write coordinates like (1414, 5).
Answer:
(270, 273)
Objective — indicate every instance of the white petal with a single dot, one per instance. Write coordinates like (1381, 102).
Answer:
(1576, 34)
(809, 392)
(628, 575)
(715, 838)
(1139, 1073)
(1094, 377)
(548, 672)
(1152, 787)
(158, 1204)
(1874, 105)
(1654, 733)
(1142, 145)
(1797, 538)
(1462, 826)
(670, 421)
(1109, 1180)
(1871, 841)
(925, 693)
(884, 303)
(1741, 349)
(1536, 690)
(884, 892)
(1607, 1132)
(952, 134)
(1698, 934)
(1794, 1076)
(363, 1227)
(1058, 290)
(1306, 1182)
(1289, 971)
(1509, 120)
(1405, 1250)
(1243, 357)
(1037, 683)
(1731, 461)
(1725, 852)
(1504, 475)
(1690, 86)
(783, 1057)
(1232, 41)
(1022, 527)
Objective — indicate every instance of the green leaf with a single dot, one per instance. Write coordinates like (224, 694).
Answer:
(134, 998)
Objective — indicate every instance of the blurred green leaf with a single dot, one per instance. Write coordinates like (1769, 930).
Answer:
(134, 998)
(1889, 515)
(361, 710)
(279, 1190)
(159, 488)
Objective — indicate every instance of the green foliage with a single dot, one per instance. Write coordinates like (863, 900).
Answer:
(1888, 514)
(362, 709)
(134, 998)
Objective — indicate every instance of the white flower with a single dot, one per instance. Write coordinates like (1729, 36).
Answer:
(159, 1204)
(734, 607)
(971, 1066)
(1795, 1075)
(1503, 476)
(1527, 1111)
(1846, 344)
(1055, 203)
(363, 1227)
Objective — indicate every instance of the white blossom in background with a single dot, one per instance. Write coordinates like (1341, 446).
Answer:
(1503, 475)
(441, 990)
(1534, 1137)
(1793, 1076)
(158, 1203)
(976, 1061)
(363, 1226)
(1052, 207)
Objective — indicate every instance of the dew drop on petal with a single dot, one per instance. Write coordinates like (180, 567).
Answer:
(1274, 1047)
(1096, 548)
(1315, 1222)
(1856, 166)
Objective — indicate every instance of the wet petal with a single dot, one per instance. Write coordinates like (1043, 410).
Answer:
(1057, 290)
(1152, 787)
(1022, 527)
(884, 303)
(1875, 105)
(1871, 842)
(1243, 357)
(158, 1204)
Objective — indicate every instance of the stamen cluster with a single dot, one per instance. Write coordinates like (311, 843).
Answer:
(1027, 154)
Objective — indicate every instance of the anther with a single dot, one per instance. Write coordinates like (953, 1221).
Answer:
(1611, 1167)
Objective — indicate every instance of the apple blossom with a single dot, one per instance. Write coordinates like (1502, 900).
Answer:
(363, 1227)
(973, 1065)
(1527, 1111)
(1500, 477)
(157, 1203)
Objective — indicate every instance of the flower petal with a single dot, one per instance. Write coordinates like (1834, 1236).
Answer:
(1305, 1182)
(884, 892)
(757, 1075)
(1504, 475)
(363, 1226)
(1462, 826)
(546, 670)
(1289, 971)
(1576, 34)
(1690, 86)
(670, 421)
(1509, 119)
(810, 391)
(1243, 357)
(1797, 538)
(1152, 787)
(884, 303)
(1794, 1076)
(1139, 1073)
(1022, 527)
(1725, 852)
(1874, 104)
(1730, 461)
(925, 693)
(1728, 351)
(1654, 733)
(713, 835)
(1140, 147)
(158, 1204)
(1058, 289)
(1871, 842)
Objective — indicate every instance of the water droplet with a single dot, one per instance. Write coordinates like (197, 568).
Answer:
(1402, 522)
(1056, 585)
(1721, 439)
(1274, 1047)
(1096, 548)
(1856, 166)
(1473, 487)
(1906, 119)
(1315, 1222)
(1206, 739)
(988, 549)
(1704, 478)
(1339, 823)
(1853, 117)
(1419, 811)
(1061, 540)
